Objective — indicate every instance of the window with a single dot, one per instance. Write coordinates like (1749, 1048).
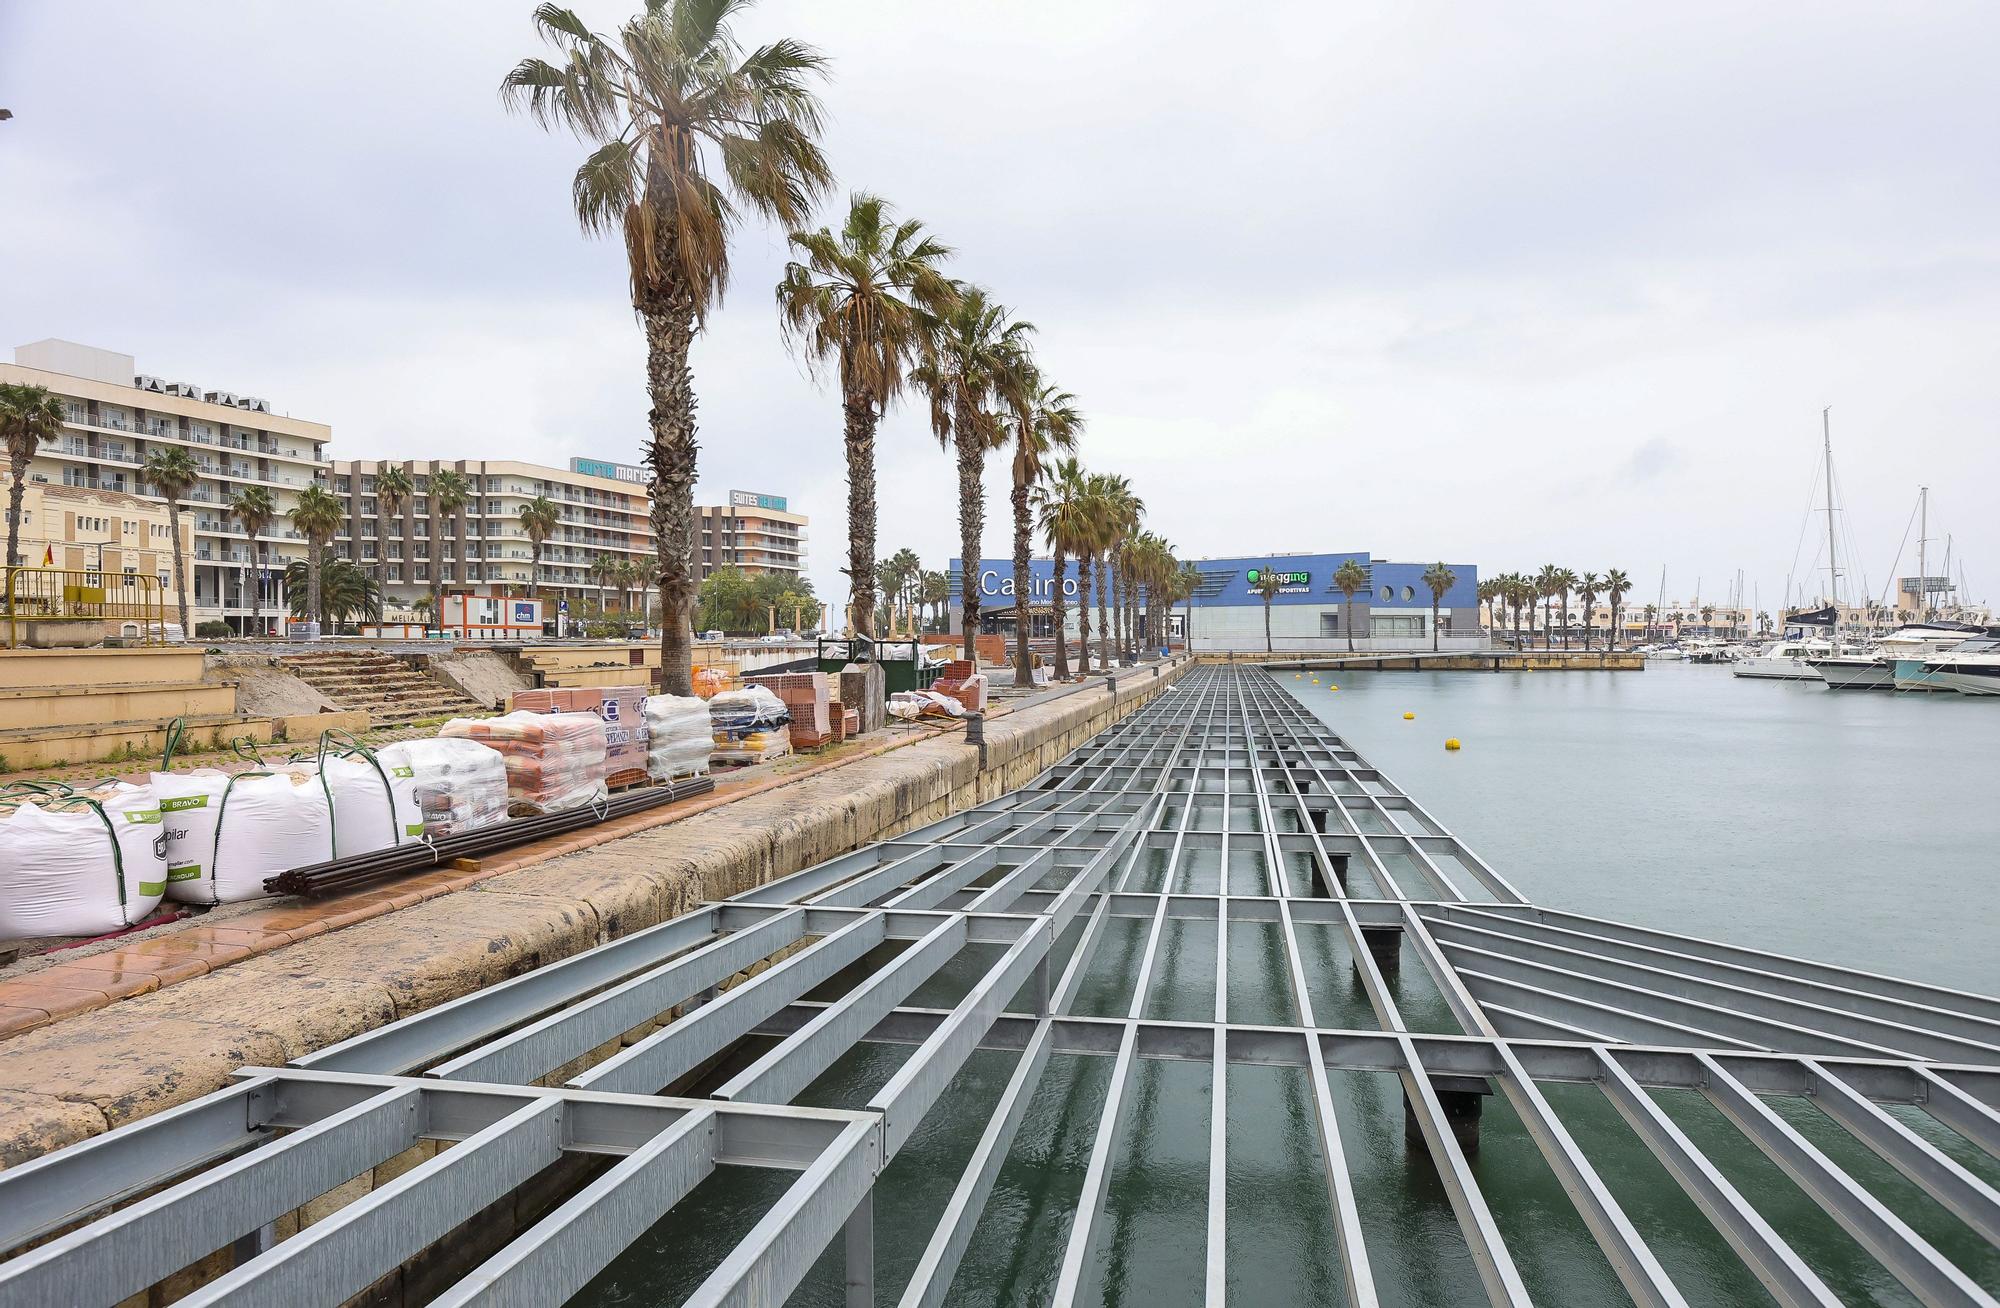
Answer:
(1388, 594)
(1395, 624)
(1329, 622)
(1409, 592)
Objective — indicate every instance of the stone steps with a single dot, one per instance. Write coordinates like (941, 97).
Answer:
(389, 690)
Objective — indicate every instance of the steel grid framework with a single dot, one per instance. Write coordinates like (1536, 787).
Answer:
(1222, 802)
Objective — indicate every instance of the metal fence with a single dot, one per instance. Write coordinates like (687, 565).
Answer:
(108, 600)
(1054, 924)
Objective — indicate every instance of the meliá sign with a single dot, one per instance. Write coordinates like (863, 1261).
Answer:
(1284, 578)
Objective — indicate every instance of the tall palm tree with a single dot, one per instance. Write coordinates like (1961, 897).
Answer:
(1616, 584)
(1588, 584)
(1044, 421)
(29, 415)
(1489, 592)
(1186, 582)
(1268, 586)
(1064, 517)
(1351, 579)
(539, 519)
(1438, 579)
(1547, 582)
(1652, 612)
(1527, 592)
(254, 508)
(1565, 582)
(1122, 512)
(318, 518)
(172, 474)
(690, 131)
(864, 299)
(393, 490)
(1099, 491)
(449, 492)
(970, 365)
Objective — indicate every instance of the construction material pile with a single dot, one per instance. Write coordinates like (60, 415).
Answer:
(963, 681)
(807, 698)
(554, 761)
(457, 785)
(79, 863)
(226, 832)
(678, 736)
(748, 726)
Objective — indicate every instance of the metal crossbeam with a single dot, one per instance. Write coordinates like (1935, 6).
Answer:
(1223, 807)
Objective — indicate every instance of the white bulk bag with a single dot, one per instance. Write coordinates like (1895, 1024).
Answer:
(373, 804)
(265, 823)
(189, 804)
(81, 865)
(678, 736)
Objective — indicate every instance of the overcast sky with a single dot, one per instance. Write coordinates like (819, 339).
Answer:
(1507, 285)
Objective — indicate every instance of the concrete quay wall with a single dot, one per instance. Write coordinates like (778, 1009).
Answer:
(86, 1074)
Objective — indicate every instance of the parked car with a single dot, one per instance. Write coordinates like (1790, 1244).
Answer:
(710, 635)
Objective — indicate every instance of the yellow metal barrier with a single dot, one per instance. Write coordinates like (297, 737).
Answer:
(35, 595)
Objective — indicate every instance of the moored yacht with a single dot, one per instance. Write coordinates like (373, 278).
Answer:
(1876, 669)
(1784, 660)
(1973, 668)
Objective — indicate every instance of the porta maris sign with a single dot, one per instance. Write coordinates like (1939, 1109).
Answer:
(995, 584)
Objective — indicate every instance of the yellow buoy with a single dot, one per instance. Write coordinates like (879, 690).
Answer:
(1330, 687)
(1409, 717)
(1452, 743)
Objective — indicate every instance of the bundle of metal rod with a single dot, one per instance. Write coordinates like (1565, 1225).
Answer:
(340, 874)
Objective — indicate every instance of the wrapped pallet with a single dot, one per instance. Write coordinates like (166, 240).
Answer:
(748, 726)
(456, 785)
(678, 736)
(227, 832)
(79, 863)
(554, 761)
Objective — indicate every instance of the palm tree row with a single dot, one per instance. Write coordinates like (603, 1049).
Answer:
(688, 133)
(1551, 587)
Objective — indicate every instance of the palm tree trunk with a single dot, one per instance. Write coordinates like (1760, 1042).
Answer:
(18, 489)
(1350, 624)
(1267, 624)
(1103, 618)
(1061, 621)
(1083, 614)
(971, 524)
(671, 451)
(180, 564)
(1434, 625)
(313, 552)
(257, 587)
(1118, 600)
(1023, 674)
(860, 439)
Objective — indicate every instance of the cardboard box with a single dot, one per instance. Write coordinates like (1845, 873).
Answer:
(624, 728)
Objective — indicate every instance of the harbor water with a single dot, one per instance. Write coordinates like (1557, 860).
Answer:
(1860, 829)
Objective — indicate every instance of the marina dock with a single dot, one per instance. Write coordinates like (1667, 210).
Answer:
(1213, 892)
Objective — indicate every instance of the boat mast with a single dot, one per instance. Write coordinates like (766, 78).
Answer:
(1923, 573)
(1832, 572)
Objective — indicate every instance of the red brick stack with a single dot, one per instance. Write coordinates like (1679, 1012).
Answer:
(962, 680)
(557, 700)
(807, 698)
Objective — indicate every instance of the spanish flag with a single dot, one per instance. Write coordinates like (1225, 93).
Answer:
(48, 556)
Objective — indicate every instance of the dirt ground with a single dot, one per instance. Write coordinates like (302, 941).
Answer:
(262, 690)
(483, 675)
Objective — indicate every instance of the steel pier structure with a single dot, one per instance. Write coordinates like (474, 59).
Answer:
(677, 1053)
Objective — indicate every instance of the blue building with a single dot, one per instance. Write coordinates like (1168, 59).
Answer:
(1309, 612)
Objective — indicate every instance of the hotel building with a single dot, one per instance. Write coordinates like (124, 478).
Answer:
(113, 418)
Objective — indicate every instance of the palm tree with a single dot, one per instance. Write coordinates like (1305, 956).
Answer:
(1489, 592)
(539, 519)
(318, 517)
(1587, 587)
(864, 299)
(690, 131)
(1522, 593)
(1351, 579)
(1439, 579)
(254, 508)
(1652, 612)
(1100, 491)
(1063, 515)
(1267, 584)
(1187, 580)
(971, 364)
(1122, 511)
(1045, 420)
(1546, 583)
(29, 415)
(449, 492)
(345, 590)
(172, 474)
(1616, 584)
(1708, 619)
(896, 574)
(394, 489)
